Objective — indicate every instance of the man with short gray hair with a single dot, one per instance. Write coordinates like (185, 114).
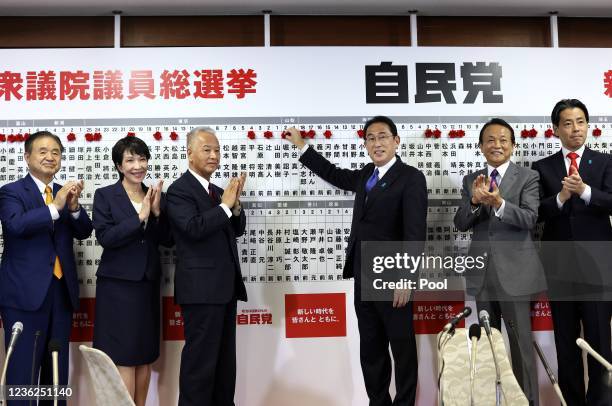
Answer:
(206, 220)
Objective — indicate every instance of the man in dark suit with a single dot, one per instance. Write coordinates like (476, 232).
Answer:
(38, 277)
(206, 221)
(576, 202)
(390, 205)
(500, 205)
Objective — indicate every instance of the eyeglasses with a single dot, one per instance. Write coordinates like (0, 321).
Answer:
(371, 139)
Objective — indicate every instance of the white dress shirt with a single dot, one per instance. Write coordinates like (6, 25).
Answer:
(586, 195)
(205, 183)
(52, 209)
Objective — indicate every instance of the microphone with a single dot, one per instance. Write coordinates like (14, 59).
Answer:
(585, 346)
(54, 348)
(475, 333)
(550, 373)
(16, 331)
(485, 322)
(467, 310)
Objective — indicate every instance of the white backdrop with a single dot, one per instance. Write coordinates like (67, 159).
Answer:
(319, 89)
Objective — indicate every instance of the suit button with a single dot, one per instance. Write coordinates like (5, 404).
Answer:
(142, 241)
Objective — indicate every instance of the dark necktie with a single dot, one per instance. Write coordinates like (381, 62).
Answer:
(372, 181)
(493, 183)
(212, 194)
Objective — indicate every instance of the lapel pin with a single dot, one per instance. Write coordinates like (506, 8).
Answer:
(590, 162)
(383, 184)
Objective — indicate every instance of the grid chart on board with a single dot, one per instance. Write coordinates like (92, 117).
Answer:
(297, 225)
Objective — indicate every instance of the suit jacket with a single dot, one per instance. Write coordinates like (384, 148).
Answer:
(207, 264)
(395, 209)
(509, 240)
(130, 250)
(585, 266)
(576, 221)
(32, 240)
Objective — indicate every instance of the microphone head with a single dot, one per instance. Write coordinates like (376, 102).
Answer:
(483, 315)
(475, 331)
(467, 311)
(54, 346)
(581, 343)
(17, 327)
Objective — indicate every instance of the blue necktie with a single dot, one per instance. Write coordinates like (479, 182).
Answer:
(372, 181)
(494, 174)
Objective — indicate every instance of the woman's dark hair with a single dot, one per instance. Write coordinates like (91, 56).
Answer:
(133, 145)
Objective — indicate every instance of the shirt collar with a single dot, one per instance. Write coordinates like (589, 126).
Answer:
(200, 179)
(41, 185)
(501, 169)
(383, 169)
(579, 151)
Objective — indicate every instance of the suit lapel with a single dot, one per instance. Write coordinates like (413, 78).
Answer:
(384, 183)
(585, 165)
(559, 165)
(510, 177)
(34, 193)
(122, 199)
(198, 188)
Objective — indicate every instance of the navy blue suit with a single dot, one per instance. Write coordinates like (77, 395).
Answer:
(572, 272)
(28, 290)
(394, 210)
(207, 283)
(127, 286)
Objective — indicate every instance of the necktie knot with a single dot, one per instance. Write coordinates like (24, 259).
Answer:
(48, 195)
(372, 181)
(573, 162)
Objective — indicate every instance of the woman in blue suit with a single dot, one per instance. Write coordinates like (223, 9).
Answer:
(130, 223)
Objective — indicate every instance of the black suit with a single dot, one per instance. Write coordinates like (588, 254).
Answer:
(570, 270)
(394, 210)
(207, 283)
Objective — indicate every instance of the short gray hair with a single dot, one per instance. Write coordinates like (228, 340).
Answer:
(200, 129)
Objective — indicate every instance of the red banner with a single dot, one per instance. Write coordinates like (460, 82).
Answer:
(315, 315)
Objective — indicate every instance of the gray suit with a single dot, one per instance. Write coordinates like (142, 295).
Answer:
(514, 271)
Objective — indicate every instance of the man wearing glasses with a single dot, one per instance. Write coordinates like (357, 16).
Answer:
(390, 205)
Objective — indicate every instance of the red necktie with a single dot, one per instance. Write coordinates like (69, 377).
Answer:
(573, 163)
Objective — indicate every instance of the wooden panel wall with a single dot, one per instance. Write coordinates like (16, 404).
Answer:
(175, 31)
(339, 31)
(196, 31)
(585, 32)
(56, 32)
(484, 31)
